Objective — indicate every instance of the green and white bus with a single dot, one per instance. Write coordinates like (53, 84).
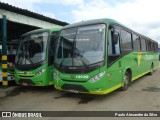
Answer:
(35, 56)
(100, 56)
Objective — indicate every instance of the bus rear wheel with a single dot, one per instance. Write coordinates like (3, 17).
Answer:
(126, 81)
(151, 70)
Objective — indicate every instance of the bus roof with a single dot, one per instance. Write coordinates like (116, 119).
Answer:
(101, 21)
(95, 21)
(54, 29)
(39, 30)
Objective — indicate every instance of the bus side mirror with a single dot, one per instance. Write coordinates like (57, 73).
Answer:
(115, 38)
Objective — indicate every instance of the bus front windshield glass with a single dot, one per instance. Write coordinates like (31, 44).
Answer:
(81, 46)
(32, 48)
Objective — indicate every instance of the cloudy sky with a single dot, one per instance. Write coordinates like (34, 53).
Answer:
(140, 15)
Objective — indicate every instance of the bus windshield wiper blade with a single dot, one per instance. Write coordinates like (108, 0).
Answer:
(81, 58)
(61, 62)
(30, 60)
(84, 63)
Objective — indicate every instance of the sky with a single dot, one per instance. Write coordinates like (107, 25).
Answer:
(141, 16)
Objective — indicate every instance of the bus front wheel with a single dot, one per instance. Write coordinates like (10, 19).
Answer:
(126, 81)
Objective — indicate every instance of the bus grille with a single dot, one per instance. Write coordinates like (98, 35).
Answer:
(74, 87)
(28, 81)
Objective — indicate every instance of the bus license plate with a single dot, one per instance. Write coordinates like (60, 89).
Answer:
(73, 91)
(25, 84)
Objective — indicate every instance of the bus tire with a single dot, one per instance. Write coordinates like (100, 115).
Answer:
(151, 70)
(126, 81)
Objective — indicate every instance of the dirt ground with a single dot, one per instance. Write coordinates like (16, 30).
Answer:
(142, 95)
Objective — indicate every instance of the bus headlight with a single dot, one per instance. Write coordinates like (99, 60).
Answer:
(56, 76)
(40, 72)
(97, 77)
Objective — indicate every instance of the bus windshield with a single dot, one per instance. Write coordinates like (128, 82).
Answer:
(32, 48)
(81, 46)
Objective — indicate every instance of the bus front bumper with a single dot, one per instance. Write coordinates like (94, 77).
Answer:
(33, 81)
(81, 89)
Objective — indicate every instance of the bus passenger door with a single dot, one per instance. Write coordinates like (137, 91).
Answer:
(114, 70)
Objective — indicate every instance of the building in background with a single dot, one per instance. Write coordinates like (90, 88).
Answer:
(20, 21)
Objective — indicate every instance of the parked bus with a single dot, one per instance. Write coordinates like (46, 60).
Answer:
(12, 47)
(35, 56)
(100, 56)
(11, 53)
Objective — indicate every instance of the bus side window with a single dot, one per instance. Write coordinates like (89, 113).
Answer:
(110, 43)
(113, 46)
(126, 43)
(143, 44)
(116, 45)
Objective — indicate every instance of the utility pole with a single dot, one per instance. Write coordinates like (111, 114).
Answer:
(4, 52)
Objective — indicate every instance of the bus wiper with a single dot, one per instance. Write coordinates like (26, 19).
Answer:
(21, 57)
(81, 57)
(84, 63)
(61, 62)
(27, 57)
(30, 60)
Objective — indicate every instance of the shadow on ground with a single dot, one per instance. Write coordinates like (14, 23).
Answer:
(85, 98)
(17, 90)
(151, 89)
